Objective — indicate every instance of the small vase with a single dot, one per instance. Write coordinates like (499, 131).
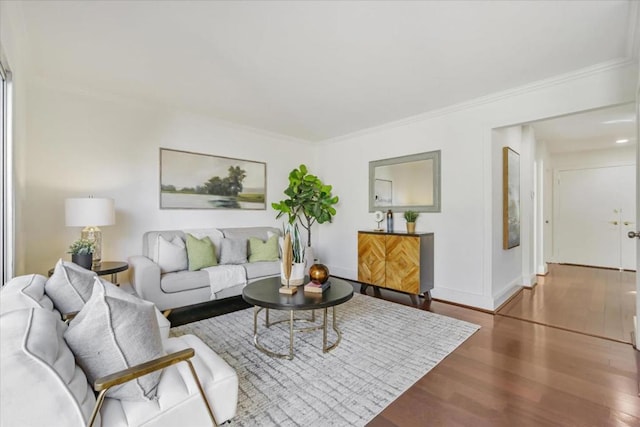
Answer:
(83, 260)
(411, 227)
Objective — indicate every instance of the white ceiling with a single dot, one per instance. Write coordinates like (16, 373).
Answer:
(591, 130)
(315, 70)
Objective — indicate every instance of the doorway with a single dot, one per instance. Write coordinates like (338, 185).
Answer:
(585, 199)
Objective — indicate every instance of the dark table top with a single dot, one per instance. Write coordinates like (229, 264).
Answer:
(106, 267)
(264, 293)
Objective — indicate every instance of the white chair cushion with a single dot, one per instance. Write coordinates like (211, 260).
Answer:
(25, 292)
(179, 402)
(115, 331)
(170, 255)
(70, 286)
(40, 383)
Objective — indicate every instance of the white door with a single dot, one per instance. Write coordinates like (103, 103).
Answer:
(592, 206)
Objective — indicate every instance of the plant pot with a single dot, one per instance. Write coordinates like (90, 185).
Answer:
(83, 260)
(411, 227)
(297, 274)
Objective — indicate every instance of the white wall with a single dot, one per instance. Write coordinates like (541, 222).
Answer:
(544, 208)
(84, 144)
(465, 229)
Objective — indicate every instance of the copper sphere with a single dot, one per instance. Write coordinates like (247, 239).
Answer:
(319, 273)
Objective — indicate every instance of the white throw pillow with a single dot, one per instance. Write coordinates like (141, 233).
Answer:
(70, 286)
(115, 331)
(171, 255)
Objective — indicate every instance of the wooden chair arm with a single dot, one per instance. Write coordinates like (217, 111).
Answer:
(66, 317)
(142, 369)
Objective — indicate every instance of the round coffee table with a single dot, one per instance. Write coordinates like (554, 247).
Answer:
(263, 295)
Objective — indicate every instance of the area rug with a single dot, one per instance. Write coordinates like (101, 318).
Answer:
(385, 348)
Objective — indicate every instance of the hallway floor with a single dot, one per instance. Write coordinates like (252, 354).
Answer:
(587, 300)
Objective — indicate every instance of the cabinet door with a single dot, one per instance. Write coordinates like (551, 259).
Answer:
(403, 263)
(371, 254)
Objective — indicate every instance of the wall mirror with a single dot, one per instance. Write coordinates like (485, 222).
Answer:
(405, 183)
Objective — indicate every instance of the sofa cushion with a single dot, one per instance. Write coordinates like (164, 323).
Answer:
(40, 383)
(256, 270)
(246, 232)
(263, 251)
(184, 281)
(233, 251)
(170, 255)
(201, 252)
(25, 292)
(70, 286)
(115, 331)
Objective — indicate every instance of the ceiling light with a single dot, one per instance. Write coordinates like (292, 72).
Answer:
(622, 141)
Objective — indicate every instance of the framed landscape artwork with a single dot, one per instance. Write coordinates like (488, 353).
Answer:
(203, 181)
(510, 198)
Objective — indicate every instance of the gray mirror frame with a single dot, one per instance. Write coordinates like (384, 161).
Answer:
(430, 155)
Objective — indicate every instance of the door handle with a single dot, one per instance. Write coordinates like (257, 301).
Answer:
(613, 222)
(633, 234)
(627, 223)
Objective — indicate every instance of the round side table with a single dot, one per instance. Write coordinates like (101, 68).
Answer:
(107, 267)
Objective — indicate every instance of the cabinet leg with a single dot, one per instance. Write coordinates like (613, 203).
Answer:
(363, 288)
(376, 291)
(427, 295)
(414, 299)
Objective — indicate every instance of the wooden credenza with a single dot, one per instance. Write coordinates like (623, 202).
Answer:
(398, 261)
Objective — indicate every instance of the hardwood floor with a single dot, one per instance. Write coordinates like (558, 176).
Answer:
(593, 301)
(517, 373)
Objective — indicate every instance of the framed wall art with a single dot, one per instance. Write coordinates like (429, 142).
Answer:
(204, 181)
(510, 198)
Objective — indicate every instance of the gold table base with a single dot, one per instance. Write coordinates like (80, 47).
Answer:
(292, 319)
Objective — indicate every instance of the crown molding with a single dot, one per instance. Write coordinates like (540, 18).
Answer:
(494, 97)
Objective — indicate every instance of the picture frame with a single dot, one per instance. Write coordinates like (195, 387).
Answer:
(510, 198)
(191, 180)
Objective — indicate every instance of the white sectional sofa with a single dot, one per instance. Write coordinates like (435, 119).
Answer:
(44, 382)
(169, 289)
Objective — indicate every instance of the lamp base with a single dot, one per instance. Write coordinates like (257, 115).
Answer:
(94, 234)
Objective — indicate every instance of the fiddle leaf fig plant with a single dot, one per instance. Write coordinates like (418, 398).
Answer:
(309, 200)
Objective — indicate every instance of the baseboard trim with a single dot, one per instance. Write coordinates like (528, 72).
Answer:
(470, 307)
(510, 299)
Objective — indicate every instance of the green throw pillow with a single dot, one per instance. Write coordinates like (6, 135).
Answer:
(200, 252)
(263, 251)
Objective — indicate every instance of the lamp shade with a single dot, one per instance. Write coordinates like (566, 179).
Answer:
(89, 212)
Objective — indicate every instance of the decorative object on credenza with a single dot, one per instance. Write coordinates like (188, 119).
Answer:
(287, 264)
(309, 201)
(410, 217)
(510, 198)
(319, 273)
(90, 213)
(82, 253)
(379, 217)
(389, 221)
(203, 181)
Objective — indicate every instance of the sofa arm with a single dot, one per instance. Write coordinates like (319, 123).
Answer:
(144, 275)
(103, 384)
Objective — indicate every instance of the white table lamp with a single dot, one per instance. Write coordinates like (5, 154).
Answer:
(90, 213)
